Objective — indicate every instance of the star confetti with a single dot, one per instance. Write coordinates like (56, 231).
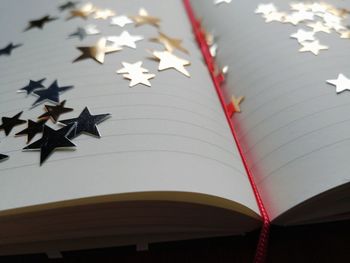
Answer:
(33, 129)
(168, 60)
(84, 12)
(33, 85)
(51, 140)
(50, 94)
(341, 83)
(302, 35)
(103, 14)
(319, 27)
(97, 52)
(3, 157)
(314, 47)
(54, 112)
(86, 123)
(125, 39)
(136, 74)
(217, 2)
(8, 123)
(8, 49)
(234, 105)
(143, 18)
(121, 21)
(83, 32)
(169, 43)
(265, 9)
(39, 23)
(68, 5)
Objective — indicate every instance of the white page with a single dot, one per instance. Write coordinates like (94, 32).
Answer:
(170, 137)
(294, 127)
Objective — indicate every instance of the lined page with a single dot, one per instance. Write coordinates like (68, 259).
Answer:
(294, 127)
(170, 137)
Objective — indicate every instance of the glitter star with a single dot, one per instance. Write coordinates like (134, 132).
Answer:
(169, 43)
(168, 60)
(341, 83)
(97, 52)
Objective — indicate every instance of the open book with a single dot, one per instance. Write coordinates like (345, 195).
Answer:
(167, 166)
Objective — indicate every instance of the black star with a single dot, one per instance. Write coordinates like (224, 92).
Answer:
(33, 129)
(8, 123)
(33, 85)
(8, 49)
(39, 23)
(54, 112)
(51, 140)
(3, 157)
(68, 5)
(52, 93)
(86, 123)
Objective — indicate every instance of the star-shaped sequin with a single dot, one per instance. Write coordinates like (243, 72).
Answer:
(302, 35)
(54, 112)
(8, 123)
(33, 85)
(83, 32)
(136, 74)
(144, 18)
(82, 12)
(169, 43)
(39, 23)
(314, 47)
(8, 49)
(86, 123)
(168, 60)
(121, 20)
(97, 52)
(341, 83)
(52, 93)
(32, 129)
(124, 40)
(67, 5)
(51, 140)
(3, 157)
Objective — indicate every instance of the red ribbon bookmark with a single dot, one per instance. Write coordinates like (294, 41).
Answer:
(261, 251)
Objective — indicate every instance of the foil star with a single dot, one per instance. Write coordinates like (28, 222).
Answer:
(168, 60)
(83, 32)
(319, 27)
(86, 123)
(97, 52)
(130, 68)
(234, 105)
(124, 39)
(32, 129)
(293, 19)
(54, 112)
(84, 12)
(68, 5)
(300, 6)
(121, 21)
(8, 49)
(50, 94)
(9, 123)
(51, 140)
(103, 14)
(39, 23)
(3, 157)
(265, 9)
(345, 34)
(33, 85)
(274, 16)
(136, 74)
(169, 43)
(314, 47)
(143, 18)
(302, 35)
(341, 83)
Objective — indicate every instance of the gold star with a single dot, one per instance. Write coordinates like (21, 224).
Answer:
(143, 18)
(314, 47)
(168, 60)
(274, 16)
(97, 52)
(345, 34)
(234, 105)
(169, 43)
(83, 12)
(103, 14)
(319, 27)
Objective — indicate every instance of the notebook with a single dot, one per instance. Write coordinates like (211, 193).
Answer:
(166, 165)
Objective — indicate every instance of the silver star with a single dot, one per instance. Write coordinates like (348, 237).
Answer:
(319, 27)
(314, 47)
(168, 60)
(103, 14)
(121, 20)
(132, 68)
(83, 32)
(274, 16)
(265, 9)
(341, 83)
(136, 74)
(125, 39)
(302, 35)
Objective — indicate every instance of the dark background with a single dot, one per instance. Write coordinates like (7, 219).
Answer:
(328, 242)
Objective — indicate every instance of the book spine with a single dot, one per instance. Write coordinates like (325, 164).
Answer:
(261, 251)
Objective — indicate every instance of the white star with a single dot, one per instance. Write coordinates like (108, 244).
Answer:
(341, 83)
(304, 15)
(125, 39)
(313, 47)
(319, 27)
(265, 9)
(217, 2)
(293, 19)
(302, 35)
(121, 20)
(136, 74)
(103, 14)
(132, 68)
(300, 6)
(168, 60)
(274, 16)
